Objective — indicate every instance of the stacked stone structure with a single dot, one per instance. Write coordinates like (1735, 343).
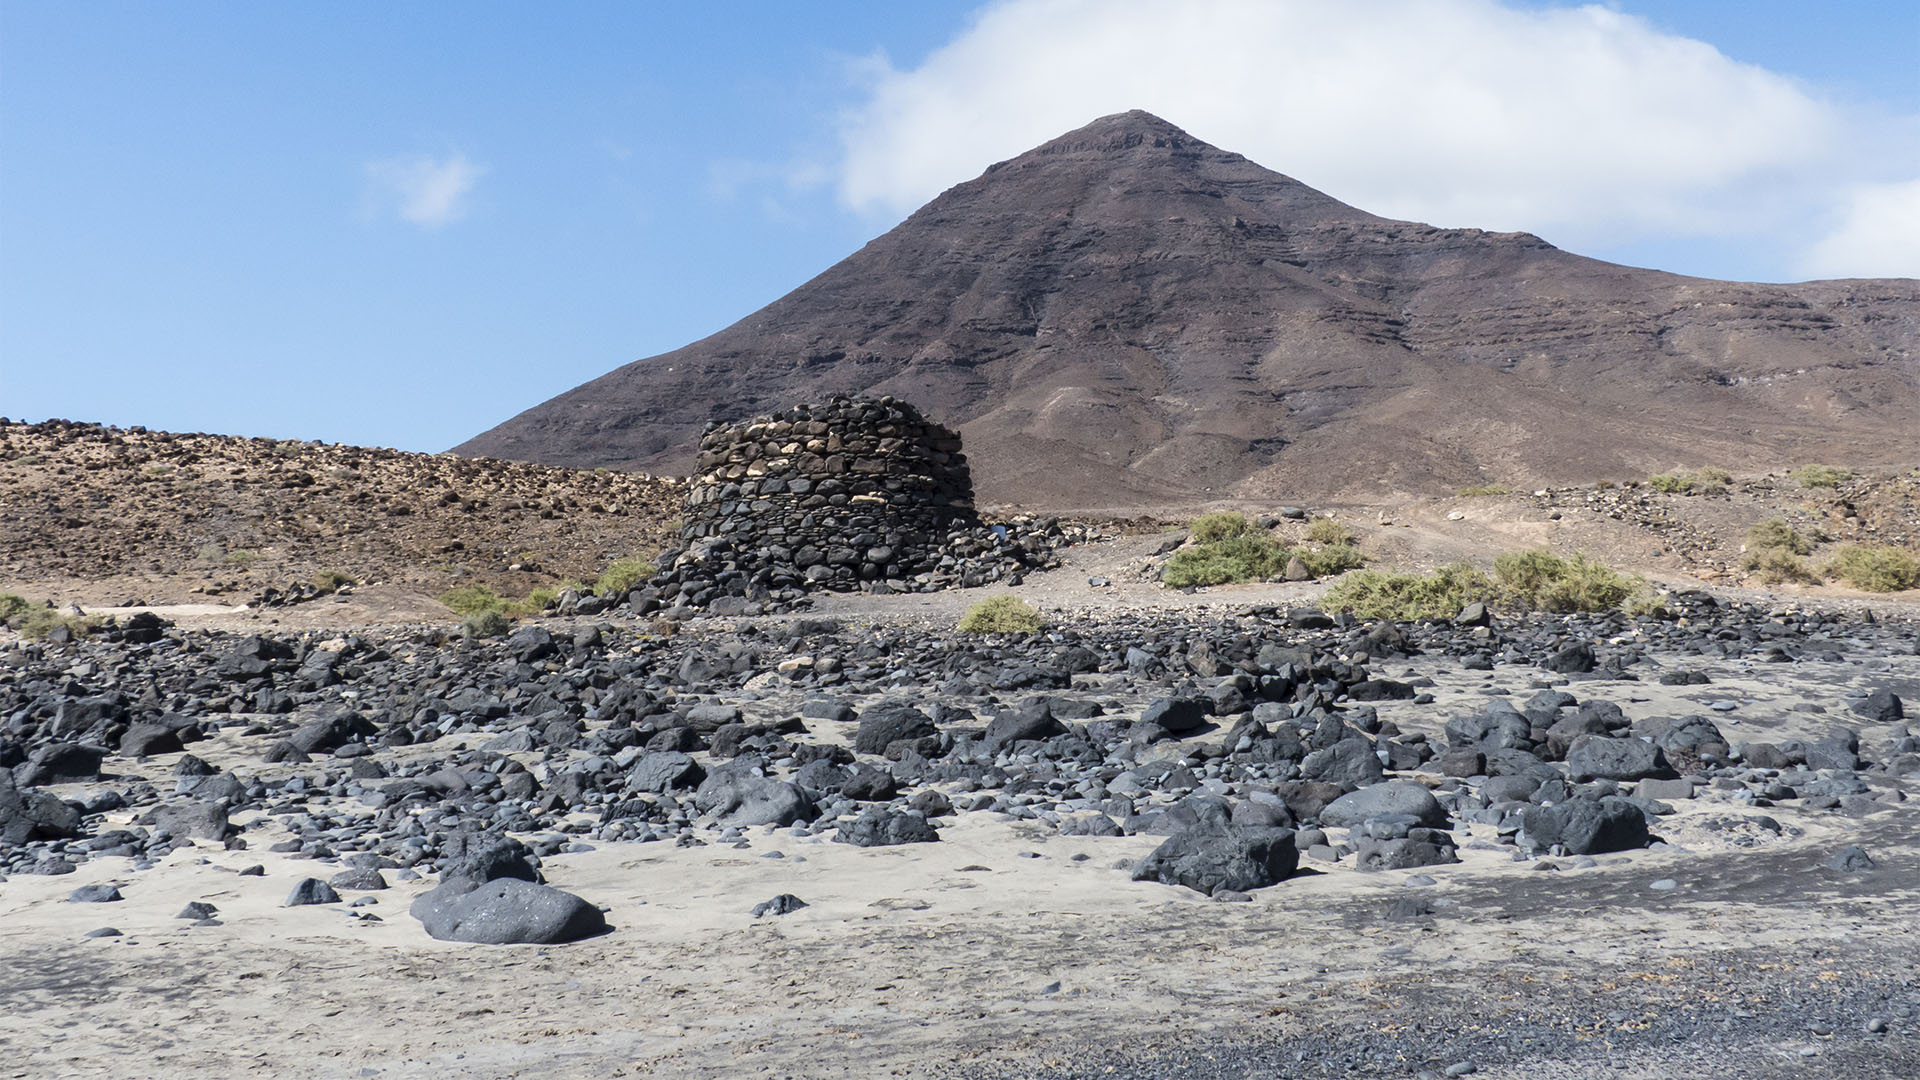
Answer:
(854, 494)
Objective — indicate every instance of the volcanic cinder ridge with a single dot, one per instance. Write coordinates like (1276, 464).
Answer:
(1128, 317)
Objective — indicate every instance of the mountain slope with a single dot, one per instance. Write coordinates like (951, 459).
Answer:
(1127, 316)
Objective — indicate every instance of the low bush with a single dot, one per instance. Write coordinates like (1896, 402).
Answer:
(1229, 561)
(1543, 581)
(1331, 559)
(1001, 615)
(1876, 569)
(485, 624)
(37, 623)
(476, 600)
(1778, 566)
(622, 576)
(1776, 533)
(1820, 476)
(1486, 489)
(1681, 483)
(331, 580)
(1374, 594)
(1225, 525)
(1328, 531)
(12, 605)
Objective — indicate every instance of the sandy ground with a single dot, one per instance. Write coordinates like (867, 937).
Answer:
(1006, 950)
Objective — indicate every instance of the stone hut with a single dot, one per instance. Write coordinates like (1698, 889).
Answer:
(857, 493)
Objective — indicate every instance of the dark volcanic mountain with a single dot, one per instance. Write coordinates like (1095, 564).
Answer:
(1127, 316)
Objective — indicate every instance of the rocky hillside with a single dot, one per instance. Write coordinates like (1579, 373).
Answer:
(1129, 317)
(163, 515)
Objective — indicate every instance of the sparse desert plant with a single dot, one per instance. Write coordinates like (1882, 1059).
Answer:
(1485, 489)
(1543, 581)
(1375, 594)
(39, 623)
(475, 600)
(1227, 561)
(1224, 525)
(484, 624)
(331, 580)
(1876, 569)
(1328, 531)
(1001, 615)
(11, 605)
(1646, 604)
(241, 558)
(1680, 483)
(1330, 559)
(622, 575)
(1777, 533)
(1778, 566)
(1820, 476)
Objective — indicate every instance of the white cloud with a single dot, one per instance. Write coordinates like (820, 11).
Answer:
(1878, 235)
(1585, 123)
(425, 190)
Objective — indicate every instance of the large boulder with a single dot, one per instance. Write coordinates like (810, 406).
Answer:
(200, 818)
(507, 911)
(1350, 763)
(1178, 714)
(1400, 799)
(1585, 826)
(1402, 853)
(478, 858)
(663, 772)
(328, 732)
(1596, 757)
(888, 723)
(1209, 859)
(1499, 727)
(26, 816)
(881, 827)
(60, 763)
(1030, 721)
(737, 795)
(1883, 706)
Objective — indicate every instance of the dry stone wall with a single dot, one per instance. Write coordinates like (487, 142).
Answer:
(853, 494)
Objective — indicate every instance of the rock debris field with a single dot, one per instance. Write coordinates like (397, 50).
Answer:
(1222, 841)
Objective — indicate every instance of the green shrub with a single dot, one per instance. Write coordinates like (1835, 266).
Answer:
(1820, 476)
(1222, 562)
(12, 605)
(1779, 565)
(242, 558)
(1543, 581)
(476, 600)
(1679, 483)
(1001, 615)
(1876, 569)
(1485, 489)
(1226, 525)
(1646, 604)
(331, 580)
(623, 575)
(1776, 533)
(1328, 531)
(36, 623)
(484, 624)
(1373, 594)
(1331, 559)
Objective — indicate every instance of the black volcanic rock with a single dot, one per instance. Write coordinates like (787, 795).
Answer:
(1127, 315)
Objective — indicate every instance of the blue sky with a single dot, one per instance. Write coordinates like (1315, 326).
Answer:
(400, 224)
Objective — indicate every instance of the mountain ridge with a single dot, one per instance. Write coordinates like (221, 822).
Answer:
(1126, 316)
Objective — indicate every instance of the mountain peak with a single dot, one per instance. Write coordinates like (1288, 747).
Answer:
(1127, 316)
